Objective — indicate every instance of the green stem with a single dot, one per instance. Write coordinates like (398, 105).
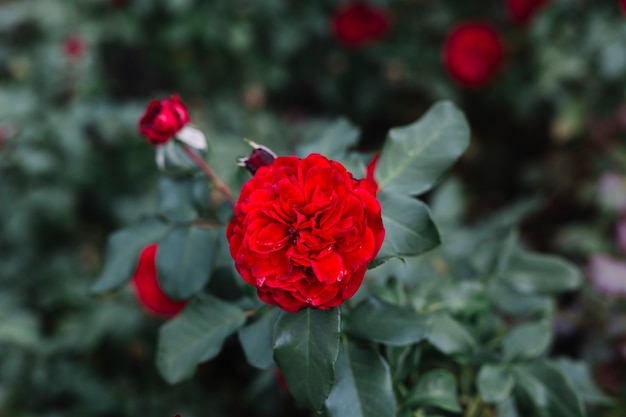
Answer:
(217, 182)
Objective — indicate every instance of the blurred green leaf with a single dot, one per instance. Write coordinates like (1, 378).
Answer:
(527, 341)
(533, 273)
(195, 336)
(363, 385)
(409, 229)
(256, 341)
(185, 260)
(436, 388)
(306, 345)
(547, 389)
(123, 249)
(578, 374)
(176, 199)
(495, 383)
(386, 324)
(447, 335)
(415, 157)
(334, 142)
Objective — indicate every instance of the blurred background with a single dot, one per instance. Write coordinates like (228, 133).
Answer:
(542, 83)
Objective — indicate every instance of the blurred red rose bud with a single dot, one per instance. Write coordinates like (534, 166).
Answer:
(358, 23)
(473, 53)
(147, 290)
(261, 156)
(523, 11)
(163, 119)
(74, 47)
(304, 231)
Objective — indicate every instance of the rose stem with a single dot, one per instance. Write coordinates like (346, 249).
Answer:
(217, 182)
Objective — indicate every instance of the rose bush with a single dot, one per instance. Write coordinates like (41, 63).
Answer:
(163, 119)
(304, 231)
(473, 53)
(146, 286)
(358, 23)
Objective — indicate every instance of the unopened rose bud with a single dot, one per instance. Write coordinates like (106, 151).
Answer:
(261, 156)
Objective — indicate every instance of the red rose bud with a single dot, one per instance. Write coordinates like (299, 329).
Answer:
(371, 168)
(358, 23)
(74, 47)
(523, 11)
(163, 119)
(261, 156)
(147, 290)
(473, 53)
(304, 231)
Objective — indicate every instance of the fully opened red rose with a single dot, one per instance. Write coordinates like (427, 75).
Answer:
(146, 286)
(473, 53)
(522, 11)
(163, 119)
(358, 23)
(304, 231)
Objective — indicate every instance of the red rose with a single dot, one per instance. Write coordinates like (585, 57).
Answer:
(163, 119)
(358, 23)
(473, 53)
(304, 231)
(522, 11)
(371, 167)
(146, 286)
(74, 47)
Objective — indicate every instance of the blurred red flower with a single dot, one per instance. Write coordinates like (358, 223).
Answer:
(304, 231)
(473, 53)
(74, 47)
(146, 286)
(522, 11)
(622, 5)
(358, 23)
(371, 168)
(163, 119)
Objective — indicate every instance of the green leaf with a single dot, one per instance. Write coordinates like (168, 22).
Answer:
(527, 341)
(176, 199)
(123, 249)
(409, 229)
(438, 389)
(519, 304)
(415, 157)
(185, 260)
(387, 324)
(256, 341)
(547, 389)
(533, 273)
(362, 386)
(507, 408)
(306, 345)
(447, 335)
(334, 142)
(196, 335)
(578, 374)
(495, 383)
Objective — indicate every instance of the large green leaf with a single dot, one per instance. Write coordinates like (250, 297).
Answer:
(256, 341)
(438, 389)
(334, 142)
(533, 273)
(195, 336)
(362, 386)
(447, 335)
(495, 383)
(306, 345)
(185, 260)
(387, 324)
(547, 389)
(527, 341)
(415, 157)
(409, 229)
(176, 199)
(123, 249)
